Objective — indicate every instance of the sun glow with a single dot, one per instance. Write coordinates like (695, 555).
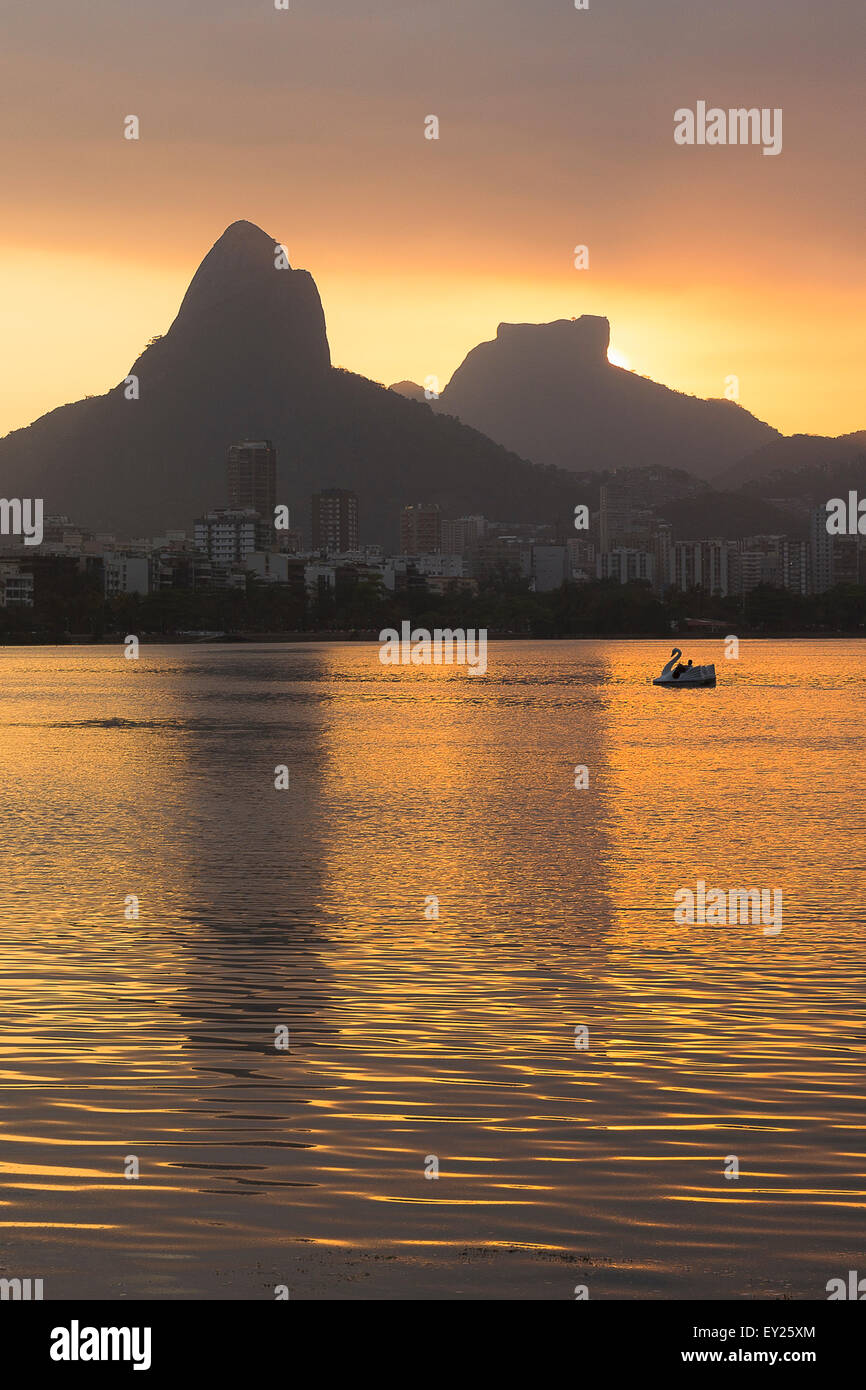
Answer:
(618, 359)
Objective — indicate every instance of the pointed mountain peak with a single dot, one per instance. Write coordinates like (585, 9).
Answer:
(243, 227)
(245, 306)
(243, 260)
(240, 240)
(241, 253)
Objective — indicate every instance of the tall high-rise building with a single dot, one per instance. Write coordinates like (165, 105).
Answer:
(335, 520)
(614, 515)
(714, 567)
(581, 557)
(662, 551)
(420, 529)
(820, 552)
(795, 571)
(622, 520)
(846, 559)
(252, 477)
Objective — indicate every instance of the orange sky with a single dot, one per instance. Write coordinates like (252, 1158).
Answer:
(556, 129)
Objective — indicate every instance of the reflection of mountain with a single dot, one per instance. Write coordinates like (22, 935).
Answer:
(247, 356)
(155, 1036)
(457, 1034)
(250, 859)
(414, 1036)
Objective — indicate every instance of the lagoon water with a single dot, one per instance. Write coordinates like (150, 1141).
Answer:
(412, 1038)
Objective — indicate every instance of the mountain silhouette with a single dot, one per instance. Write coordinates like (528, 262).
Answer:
(548, 391)
(796, 453)
(247, 357)
(410, 390)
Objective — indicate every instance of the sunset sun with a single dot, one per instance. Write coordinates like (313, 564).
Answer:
(618, 359)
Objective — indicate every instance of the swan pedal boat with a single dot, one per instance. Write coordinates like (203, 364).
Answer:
(692, 676)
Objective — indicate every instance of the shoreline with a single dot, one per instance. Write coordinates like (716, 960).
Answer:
(310, 1271)
(241, 639)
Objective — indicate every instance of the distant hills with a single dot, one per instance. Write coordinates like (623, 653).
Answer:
(524, 430)
(804, 456)
(548, 391)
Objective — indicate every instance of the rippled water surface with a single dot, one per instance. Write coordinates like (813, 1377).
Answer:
(304, 909)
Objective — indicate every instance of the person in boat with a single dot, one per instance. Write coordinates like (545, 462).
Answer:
(679, 668)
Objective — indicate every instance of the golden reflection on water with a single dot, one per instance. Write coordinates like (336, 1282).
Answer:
(452, 1037)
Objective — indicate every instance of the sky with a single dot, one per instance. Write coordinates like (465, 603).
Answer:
(556, 129)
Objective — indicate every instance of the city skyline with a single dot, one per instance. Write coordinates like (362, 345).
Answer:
(624, 540)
